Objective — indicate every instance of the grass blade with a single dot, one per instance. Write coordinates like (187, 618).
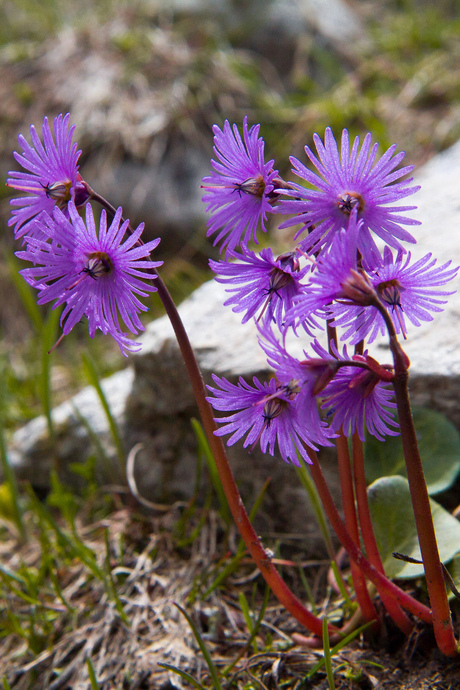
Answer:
(255, 630)
(27, 294)
(183, 674)
(202, 646)
(96, 441)
(111, 583)
(92, 675)
(309, 486)
(47, 340)
(341, 585)
(203, 447)
(7, 471)
(308, 590)
(235, 561)
(93, 378)
(343, 643)
(327, 656)
(248, 619)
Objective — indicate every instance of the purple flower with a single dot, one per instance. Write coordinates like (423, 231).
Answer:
(351, 180)
(335, 276)
(302, 379)
(240, 186)
(406, 291)
(263, 413)
(358, 397)
(309, 376)
(93, 273)
(52, 178)
(263, 286)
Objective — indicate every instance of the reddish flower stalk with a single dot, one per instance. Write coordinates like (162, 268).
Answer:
(351, 522)
(250, 537)
(382, 583)
(348, 502)
(367, 532)
(442, 621)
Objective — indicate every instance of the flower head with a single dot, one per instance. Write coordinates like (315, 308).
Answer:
(303, 380)
(238, 189)
(407, 291)
(262, 286)
(351, 180)
(264, 413)
(92, 272)
(335, 276)
(308, 376)
(358, 398)
(52, 177)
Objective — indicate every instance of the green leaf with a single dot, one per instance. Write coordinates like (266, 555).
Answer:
(394, 525)
(454, 570)
(439, 444)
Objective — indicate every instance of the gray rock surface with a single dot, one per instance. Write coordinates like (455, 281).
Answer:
(335, 20)
(153, 403)
(434, 347)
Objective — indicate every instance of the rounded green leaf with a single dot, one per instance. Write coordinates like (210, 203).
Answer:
(439, 444)
(394, 526)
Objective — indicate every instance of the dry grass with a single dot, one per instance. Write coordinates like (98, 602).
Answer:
(119, 611)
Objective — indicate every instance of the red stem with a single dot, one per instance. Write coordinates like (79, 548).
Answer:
(349, 509)
(442, 621)
(382, 583)
(367, 531)
(351, 522)
(251, 539)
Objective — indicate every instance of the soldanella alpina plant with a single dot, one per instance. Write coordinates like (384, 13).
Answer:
(335, 288)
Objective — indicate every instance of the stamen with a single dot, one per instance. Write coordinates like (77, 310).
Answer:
(59, 192)
(272, 409)
(278, 280)
(98, 265)
(254, 186)
(350, 200)
(58, 341)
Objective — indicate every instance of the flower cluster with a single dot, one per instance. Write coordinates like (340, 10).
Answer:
(93, 272)
(336, 275)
